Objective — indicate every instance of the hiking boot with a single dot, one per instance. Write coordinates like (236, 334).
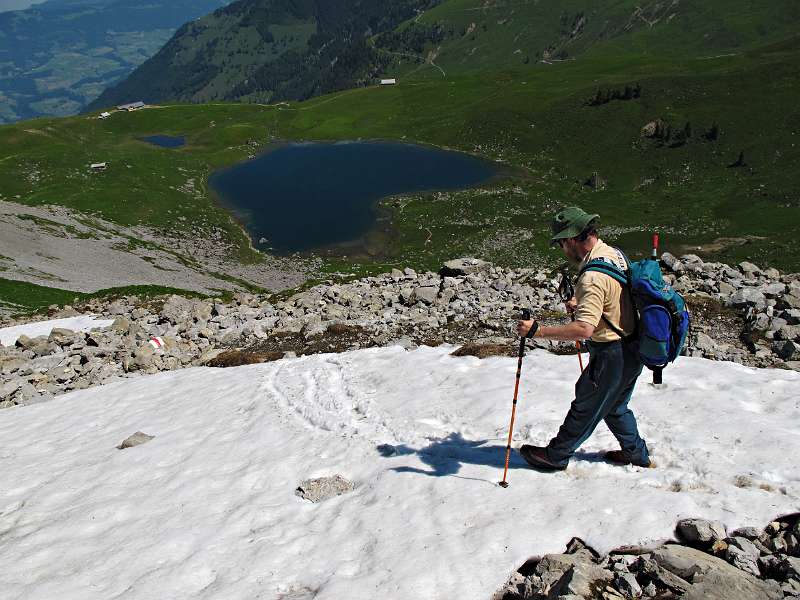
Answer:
(618, 457)
(536, 456)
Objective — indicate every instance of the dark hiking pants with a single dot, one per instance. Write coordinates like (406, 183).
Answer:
(602, 394)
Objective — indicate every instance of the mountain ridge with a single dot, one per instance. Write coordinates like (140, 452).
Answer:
(263, 50)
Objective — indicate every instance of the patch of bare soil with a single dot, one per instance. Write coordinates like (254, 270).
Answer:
(238, 358)
(486, 350)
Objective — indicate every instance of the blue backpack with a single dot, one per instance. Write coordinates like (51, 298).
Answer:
(662, 320)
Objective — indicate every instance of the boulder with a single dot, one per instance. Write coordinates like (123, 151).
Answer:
(748, 267)
(726, 289)
(553, 566)
(700, 532)
(733, 584)
(62, 337)
(705, 343)
(787, 350)
(788, 301)
(712, 578)
(788, 332)
(748, 297)
(464, 266)
(584, 580)
(743, 554)
(30, 343)
(426, 295)
(121, 325)
(176, 309)
(627, 584)
(774, 290)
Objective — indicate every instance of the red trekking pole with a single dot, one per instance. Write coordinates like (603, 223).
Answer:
(526, 314)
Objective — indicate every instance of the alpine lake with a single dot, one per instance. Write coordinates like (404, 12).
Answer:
(323, 197)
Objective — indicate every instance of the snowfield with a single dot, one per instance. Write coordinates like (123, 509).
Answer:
(10, 335)
(207, 509)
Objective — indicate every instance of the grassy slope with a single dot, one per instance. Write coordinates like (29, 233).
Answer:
(531, 115)
(23, 297)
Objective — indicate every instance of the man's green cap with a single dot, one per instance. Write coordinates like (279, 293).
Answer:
(570, 223)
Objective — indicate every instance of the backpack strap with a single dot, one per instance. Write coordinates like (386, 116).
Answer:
(601, 265)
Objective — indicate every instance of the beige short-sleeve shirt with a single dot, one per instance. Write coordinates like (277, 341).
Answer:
(598, 295)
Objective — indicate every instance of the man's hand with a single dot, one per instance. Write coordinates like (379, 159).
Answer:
(523, 327)
(572, 305)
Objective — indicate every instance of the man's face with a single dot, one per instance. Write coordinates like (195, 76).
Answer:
(570, 248)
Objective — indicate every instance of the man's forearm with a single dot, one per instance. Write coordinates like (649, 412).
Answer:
(575, 331)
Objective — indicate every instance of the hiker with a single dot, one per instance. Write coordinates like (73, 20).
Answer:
(604, 313)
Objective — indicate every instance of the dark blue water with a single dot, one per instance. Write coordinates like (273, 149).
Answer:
(165, 141)
(306, 196)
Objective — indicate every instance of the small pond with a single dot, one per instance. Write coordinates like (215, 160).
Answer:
(165, 141)
(305, 196)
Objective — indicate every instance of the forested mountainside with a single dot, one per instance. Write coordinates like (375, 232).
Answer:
(262, 50)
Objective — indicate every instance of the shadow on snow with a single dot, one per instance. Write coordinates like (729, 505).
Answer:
(445, 456)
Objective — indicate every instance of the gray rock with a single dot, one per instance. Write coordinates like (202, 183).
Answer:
(136, 439)
(584, 580)
(552, 567)
(464, 266)
(29, 343)
(627, 584)
(748, 297)
(730, 585)
(743, 554)
(121, 325)
(705, 343)
(789, 301)
(672, 263)
(11, 364)
(8, 388)
(773, 290)
(426, 295)
(726, 289)
(790, 567)
(748, 267)
(787, 350)
(700, 532)
(518, 587)
(788, 332)
(711, 577)
(318, 490)
(62, 337)
(750, 533)
(176, 308)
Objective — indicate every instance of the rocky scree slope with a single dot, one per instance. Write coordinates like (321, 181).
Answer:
(743, 314)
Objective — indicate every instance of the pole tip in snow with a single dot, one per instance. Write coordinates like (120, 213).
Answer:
(502, 484)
